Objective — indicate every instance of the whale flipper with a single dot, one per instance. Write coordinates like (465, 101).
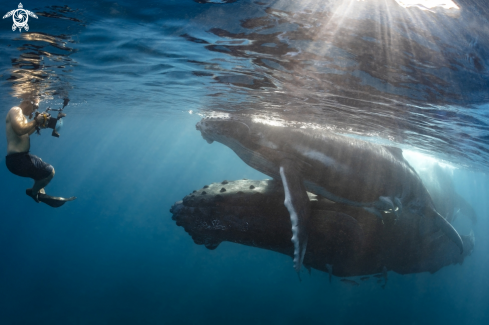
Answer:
(297, 202)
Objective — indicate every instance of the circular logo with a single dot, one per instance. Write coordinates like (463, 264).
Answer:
(20, 18)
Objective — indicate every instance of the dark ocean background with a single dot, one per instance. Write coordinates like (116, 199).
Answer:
(140, 75)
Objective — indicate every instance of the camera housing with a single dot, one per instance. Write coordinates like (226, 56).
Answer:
(50, 122)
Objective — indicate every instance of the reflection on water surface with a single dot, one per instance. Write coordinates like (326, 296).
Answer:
(386, 70)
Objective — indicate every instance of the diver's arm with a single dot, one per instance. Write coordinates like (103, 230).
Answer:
(33, 130)
(19, 123)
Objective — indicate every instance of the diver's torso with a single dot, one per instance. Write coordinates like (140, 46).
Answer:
(16, 143)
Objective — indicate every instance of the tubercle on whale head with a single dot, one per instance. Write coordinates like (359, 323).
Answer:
(199, 224)
(220, 129)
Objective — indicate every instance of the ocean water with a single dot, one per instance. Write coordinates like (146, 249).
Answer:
(140, 75)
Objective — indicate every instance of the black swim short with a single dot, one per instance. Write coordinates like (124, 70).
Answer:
(26, 165)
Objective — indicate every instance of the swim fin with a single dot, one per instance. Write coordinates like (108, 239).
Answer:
(52, 201)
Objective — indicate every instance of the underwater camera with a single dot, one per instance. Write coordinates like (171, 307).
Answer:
(50, 122)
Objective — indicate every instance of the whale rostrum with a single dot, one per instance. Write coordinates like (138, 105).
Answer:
(342, 169)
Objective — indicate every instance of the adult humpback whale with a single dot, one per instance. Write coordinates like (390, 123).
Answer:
(342, 169)
(343, 240)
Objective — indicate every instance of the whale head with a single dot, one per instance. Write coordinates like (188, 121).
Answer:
(246, 212)
(224, 130)
(255, 143)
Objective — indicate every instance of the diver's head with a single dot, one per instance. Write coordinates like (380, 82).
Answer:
(30, 105)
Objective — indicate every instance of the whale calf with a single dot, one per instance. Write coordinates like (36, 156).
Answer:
(343, 240)
(342, 169)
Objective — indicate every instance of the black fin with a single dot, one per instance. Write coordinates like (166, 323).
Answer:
(52, 201)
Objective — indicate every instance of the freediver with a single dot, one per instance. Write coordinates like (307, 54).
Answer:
(19, 161)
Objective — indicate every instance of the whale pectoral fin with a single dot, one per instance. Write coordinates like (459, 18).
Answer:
(297, 202)
(448, 230)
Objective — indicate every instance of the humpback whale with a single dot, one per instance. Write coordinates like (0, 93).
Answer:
(342, 169)
(343, 241)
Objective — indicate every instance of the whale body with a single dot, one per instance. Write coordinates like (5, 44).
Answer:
(343, 240)
(342, 169)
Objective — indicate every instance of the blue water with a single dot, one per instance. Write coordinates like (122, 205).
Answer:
(139, 77)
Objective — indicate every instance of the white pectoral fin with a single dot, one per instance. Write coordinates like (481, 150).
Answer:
(297, 202)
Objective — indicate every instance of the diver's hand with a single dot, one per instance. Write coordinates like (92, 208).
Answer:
(39, 121)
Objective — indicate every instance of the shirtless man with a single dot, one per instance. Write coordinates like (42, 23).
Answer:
(19, 161)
